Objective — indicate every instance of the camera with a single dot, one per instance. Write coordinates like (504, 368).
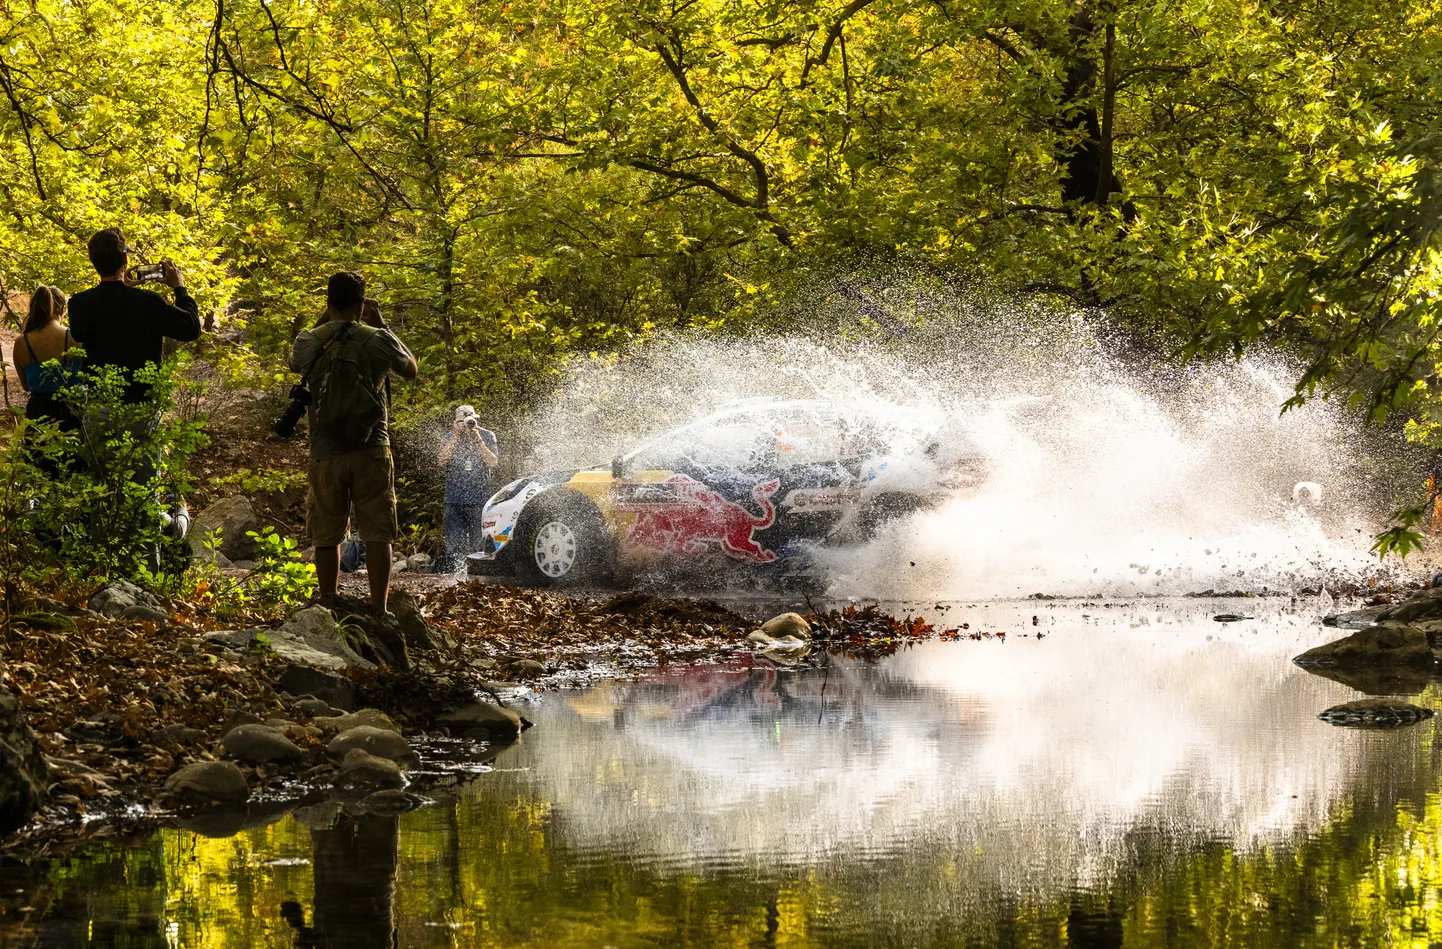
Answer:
(147, 273)
(471, 423)
(299, 399)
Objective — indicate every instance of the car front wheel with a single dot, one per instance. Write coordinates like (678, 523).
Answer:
(561, 544)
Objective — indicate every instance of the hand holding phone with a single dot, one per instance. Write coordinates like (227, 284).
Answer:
(146, 273)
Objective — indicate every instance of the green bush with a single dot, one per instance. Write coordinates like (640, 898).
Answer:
(88, 502)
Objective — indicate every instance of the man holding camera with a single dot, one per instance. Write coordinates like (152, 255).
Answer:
(346, 359)
(469, 454)
(122, 325)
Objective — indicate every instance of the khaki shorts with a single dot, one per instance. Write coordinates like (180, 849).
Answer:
(363, 480)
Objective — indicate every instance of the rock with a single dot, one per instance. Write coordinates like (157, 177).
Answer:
(362, 771)
(44, 604)
(117, 596)
(1420, 606)
(65, 768)
(379, 638)
(317, 708)
(527, 668)
(240, 717)
(1379, 645)
(260, 744)
(498, 721)
(234, 517)
(182, 735)
(421, 563)
(283, 724)
(399, 567)
(376, 741)
(413, 624)
(52, 621)
(309, 638)
(787, 624)
(389, 803)
(142, 612)
(1375, 713)
(314, 621)
(208, 782)
(245, 565)
(299, 679)
(307, 555)
(759, 638)
(369, 717)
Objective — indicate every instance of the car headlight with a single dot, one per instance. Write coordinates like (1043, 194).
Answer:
(508, 492)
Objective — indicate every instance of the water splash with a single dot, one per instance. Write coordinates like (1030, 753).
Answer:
(1111, 472)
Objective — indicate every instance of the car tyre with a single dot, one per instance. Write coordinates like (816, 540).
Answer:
(561, 542)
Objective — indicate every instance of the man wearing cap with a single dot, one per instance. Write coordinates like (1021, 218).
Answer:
(348, 356)
(124, 326)
(467, 457)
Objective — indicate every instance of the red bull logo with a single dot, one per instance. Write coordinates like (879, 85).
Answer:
(690, 516)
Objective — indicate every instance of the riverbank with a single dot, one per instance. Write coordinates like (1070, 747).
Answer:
(133, 698)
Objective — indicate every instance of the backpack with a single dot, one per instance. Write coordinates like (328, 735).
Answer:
(348, 406)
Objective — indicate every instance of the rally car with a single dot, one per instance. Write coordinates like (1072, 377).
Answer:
(760, 484)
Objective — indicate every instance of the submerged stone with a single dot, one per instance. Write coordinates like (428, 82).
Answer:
(1375, 713)
(362, 771)
(499, 722)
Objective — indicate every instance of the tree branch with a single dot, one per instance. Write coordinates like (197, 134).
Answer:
(832, 35)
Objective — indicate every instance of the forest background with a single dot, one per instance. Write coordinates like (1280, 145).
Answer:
(530, 182)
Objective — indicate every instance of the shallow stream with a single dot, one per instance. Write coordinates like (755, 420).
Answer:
(1122, 773)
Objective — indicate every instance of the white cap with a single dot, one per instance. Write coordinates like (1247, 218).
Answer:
(464, 412)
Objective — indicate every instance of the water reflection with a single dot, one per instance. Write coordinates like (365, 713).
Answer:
(354, 882)
(1141, 776)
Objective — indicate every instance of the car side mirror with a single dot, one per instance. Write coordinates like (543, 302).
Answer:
(620, 470)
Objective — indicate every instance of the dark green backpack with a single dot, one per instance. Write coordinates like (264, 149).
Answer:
(348, 405)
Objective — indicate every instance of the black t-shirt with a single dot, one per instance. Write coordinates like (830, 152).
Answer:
(468, 480)
(127, 327)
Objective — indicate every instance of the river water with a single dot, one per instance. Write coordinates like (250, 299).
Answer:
(1127, 773)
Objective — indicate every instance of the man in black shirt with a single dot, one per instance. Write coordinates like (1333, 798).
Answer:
(124, 326)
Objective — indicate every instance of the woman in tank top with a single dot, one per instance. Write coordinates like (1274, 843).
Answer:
(46, 338)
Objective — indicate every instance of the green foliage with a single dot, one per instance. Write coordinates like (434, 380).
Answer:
(530, 182)
(272, 480)
(89, 501)
(1404, 536)
(280, 576)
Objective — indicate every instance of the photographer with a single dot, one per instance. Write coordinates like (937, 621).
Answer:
(469, 454)
(346, 359)
(122, 325)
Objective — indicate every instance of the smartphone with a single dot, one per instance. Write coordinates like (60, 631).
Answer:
(147, 273)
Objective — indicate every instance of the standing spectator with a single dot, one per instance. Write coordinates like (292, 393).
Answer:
(123, 325)
(349, 354)
(45, 338)
(469, 454)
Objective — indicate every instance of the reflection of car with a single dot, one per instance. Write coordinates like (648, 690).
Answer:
(757, 483)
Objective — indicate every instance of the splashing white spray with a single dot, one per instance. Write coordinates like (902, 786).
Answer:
(1106, 479)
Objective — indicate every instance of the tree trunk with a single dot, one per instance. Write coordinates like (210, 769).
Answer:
(1087, 176)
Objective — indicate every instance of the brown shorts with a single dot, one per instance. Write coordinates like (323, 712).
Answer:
(363, 480)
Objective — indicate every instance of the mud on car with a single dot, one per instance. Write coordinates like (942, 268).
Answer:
(759, 485)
